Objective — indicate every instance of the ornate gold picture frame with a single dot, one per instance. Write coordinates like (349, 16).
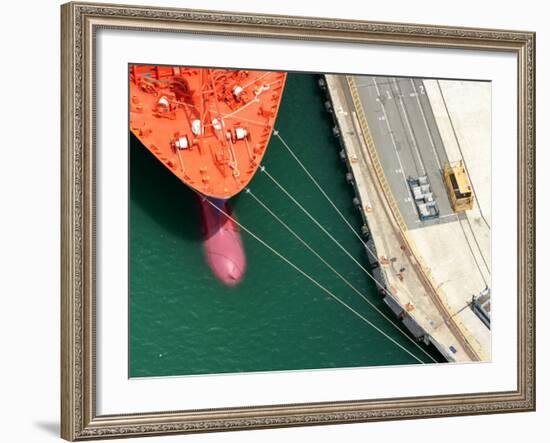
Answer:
(80, 23)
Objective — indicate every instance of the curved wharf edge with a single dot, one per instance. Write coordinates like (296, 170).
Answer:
(400, 229)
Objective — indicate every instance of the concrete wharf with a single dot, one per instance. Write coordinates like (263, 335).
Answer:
(413, 290)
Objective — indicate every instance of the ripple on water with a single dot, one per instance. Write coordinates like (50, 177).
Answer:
(183, 321)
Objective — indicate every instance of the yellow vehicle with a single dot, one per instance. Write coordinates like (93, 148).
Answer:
(458, 186)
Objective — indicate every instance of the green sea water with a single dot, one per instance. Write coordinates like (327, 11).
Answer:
(183, 321)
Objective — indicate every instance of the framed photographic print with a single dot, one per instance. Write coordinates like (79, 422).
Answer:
(283, 221)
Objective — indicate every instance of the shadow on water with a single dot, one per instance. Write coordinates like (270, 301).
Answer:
(275, 319)
(162, 195)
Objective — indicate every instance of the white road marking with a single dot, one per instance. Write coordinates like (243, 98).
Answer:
(449, 215)
(394, 143)
(426, 125)
(409, 127)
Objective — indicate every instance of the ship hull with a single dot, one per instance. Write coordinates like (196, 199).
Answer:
(223, 246)
(210, 128)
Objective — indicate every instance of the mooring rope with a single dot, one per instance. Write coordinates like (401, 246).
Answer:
(248, 191)
(315, 282)
(331, 202)
(316, 183)
(312, 218)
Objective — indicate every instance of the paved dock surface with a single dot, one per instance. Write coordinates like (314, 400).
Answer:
(411, 139)
(407, 139)
(462, 110)
(407, 288)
